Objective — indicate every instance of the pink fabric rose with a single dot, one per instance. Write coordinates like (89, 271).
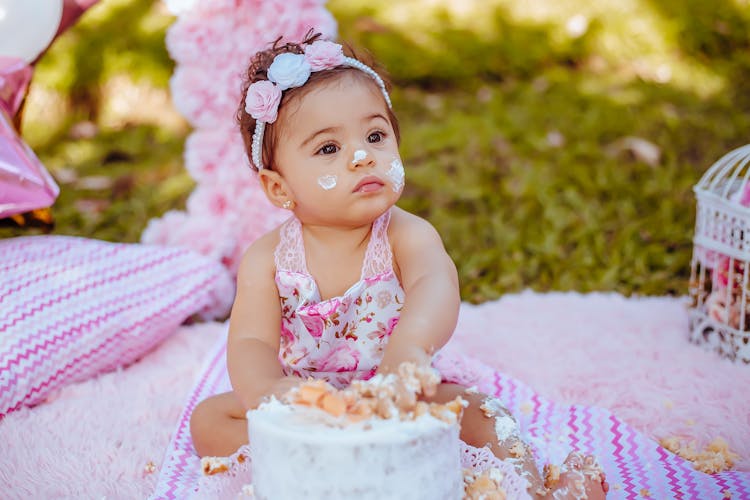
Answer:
(323, 54)
(202, 40)
(173, 229)
(262, 101)
(342, 358)
(208, 150)
(206, 98)
(209, 201)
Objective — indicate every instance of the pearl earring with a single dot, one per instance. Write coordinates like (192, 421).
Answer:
(287, 204)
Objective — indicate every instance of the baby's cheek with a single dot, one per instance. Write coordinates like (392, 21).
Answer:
(396, 175)
(327, 181)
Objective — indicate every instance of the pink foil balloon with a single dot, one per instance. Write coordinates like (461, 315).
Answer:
(24, 182)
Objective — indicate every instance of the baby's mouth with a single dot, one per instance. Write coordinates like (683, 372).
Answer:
(368, 184)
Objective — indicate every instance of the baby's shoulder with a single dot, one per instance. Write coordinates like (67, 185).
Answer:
(405, 228)
(259, 256)
(416, 244)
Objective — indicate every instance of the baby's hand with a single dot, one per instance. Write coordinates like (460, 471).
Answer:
(421, 378)
(398, 355)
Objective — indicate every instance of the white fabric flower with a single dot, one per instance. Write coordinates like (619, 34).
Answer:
(289, 70)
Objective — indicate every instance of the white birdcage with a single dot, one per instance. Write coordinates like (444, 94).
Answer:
(720, 269)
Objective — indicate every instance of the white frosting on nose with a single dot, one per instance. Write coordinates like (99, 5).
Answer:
(359, 155)
(327, 181)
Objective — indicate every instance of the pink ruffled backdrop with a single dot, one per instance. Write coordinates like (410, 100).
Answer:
(211, 42)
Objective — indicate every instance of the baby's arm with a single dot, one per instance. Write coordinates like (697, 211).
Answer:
(430, 283)
(255, 327)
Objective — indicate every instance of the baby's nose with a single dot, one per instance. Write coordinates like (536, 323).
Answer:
(362, 158)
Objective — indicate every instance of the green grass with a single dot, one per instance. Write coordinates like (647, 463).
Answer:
(512, 129)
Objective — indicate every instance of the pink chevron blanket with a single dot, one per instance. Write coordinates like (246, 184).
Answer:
(109, 436)
(636, 466)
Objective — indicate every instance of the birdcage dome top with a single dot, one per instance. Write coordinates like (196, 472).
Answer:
(728, 179)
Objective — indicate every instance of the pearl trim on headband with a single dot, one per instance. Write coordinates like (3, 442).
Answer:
(289, 71)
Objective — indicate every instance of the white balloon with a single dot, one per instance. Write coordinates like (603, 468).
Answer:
(28, 26)
(178, 7)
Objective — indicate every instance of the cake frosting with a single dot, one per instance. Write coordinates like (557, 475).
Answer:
(299, 452)
(374, 440)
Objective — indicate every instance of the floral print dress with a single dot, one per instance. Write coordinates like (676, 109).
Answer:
(342, 338)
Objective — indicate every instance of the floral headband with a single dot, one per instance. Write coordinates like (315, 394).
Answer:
(288, 71)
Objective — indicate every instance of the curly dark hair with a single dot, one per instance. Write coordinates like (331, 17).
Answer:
(258, 70)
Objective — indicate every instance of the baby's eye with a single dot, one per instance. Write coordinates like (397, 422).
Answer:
(375, 137)
(328, 149)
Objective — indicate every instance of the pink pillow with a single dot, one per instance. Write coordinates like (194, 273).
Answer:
(71, 308)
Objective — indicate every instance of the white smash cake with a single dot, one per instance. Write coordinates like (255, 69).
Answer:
(373, 440)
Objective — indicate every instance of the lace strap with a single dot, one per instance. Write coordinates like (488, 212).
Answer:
(378, 257)
(290, 254)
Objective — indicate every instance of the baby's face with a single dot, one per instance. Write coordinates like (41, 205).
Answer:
(338, 153)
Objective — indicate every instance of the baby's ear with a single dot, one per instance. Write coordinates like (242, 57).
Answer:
(275, 187)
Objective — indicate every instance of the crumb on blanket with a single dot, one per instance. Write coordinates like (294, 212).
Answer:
(215, 465)
(715, 457)
(149, 468)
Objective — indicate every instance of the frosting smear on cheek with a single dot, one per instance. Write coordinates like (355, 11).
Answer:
(396, 175)
(327, 182)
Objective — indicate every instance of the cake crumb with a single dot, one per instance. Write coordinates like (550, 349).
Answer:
(215, 465)
(517, 450)
(486, 485)
(421, 408)
(311, 392)
(727, 494)
(491, 407)
(150, 467)
(526, 408)
(645, 493)
(383, 396)
(715, 457)
(551, 475)
(333, 404)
